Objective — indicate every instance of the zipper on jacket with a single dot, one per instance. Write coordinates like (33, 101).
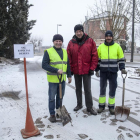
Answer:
(108, 57)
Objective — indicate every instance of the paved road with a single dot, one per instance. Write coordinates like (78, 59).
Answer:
(136, 57)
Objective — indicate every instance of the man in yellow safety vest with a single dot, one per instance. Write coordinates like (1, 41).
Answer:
(55, 62)
(110, 59)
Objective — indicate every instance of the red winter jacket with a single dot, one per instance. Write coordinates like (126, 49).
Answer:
(83, 57)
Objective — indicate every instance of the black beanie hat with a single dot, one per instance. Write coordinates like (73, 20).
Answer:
(79, 27)
(57, 37)
(108, 33)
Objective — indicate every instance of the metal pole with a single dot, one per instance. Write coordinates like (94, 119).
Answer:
(25, 72)
(57, 27)
(132, 45)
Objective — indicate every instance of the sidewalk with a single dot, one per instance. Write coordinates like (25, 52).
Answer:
(133, 64)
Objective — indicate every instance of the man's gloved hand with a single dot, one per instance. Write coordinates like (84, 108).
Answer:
(97, 74)
(124, 71)
(91, 72)
(69, 80)
(71, 73)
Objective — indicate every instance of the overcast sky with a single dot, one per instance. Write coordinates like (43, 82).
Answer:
(68, 13)
(49, 13)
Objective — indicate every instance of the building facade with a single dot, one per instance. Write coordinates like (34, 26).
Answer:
(96, 27)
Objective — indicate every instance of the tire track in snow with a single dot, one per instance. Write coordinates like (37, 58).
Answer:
(65, 134)
(131, 119)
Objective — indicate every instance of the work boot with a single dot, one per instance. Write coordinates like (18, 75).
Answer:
(100, 110)
(92, 111)
(52, 118)
(112, 111)
(77, 108)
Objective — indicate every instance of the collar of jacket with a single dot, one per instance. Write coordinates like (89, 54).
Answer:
(109, 44)
(57, 48)
(84, 38)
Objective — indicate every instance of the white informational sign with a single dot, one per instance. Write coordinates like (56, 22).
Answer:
(23, 51)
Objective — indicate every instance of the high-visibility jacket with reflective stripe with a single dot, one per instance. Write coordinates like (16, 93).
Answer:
(57, 62)
(110, 57)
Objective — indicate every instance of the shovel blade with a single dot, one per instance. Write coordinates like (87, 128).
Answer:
(122, 113)
(64, 115)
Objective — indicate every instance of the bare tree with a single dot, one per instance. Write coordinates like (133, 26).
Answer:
(115, 12)
(137, 32)
(137, 10)
(36, 41)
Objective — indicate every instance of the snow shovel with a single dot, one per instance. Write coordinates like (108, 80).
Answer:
(122, 112)
(62, 112)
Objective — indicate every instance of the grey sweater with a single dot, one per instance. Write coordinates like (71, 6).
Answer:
(46, 61)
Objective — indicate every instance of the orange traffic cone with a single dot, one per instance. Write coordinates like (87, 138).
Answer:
(30, 130)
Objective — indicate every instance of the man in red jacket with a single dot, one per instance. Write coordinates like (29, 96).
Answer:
(83, 59)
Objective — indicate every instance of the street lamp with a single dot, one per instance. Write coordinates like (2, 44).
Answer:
(132, 44)
(57, 27)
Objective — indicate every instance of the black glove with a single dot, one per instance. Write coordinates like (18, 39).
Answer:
(97, 74)
(71, 73)
(91, 72)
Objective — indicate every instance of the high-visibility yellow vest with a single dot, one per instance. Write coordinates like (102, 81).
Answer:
(57, 62)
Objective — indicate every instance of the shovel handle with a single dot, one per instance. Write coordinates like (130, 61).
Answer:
(60, 91)
(124, 77)
(60, 85)
(123, 93)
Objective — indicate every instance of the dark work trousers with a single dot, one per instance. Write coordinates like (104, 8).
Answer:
(112, 77)
(87, 88)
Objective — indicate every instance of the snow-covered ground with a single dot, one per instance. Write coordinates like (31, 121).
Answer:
(84, 126)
